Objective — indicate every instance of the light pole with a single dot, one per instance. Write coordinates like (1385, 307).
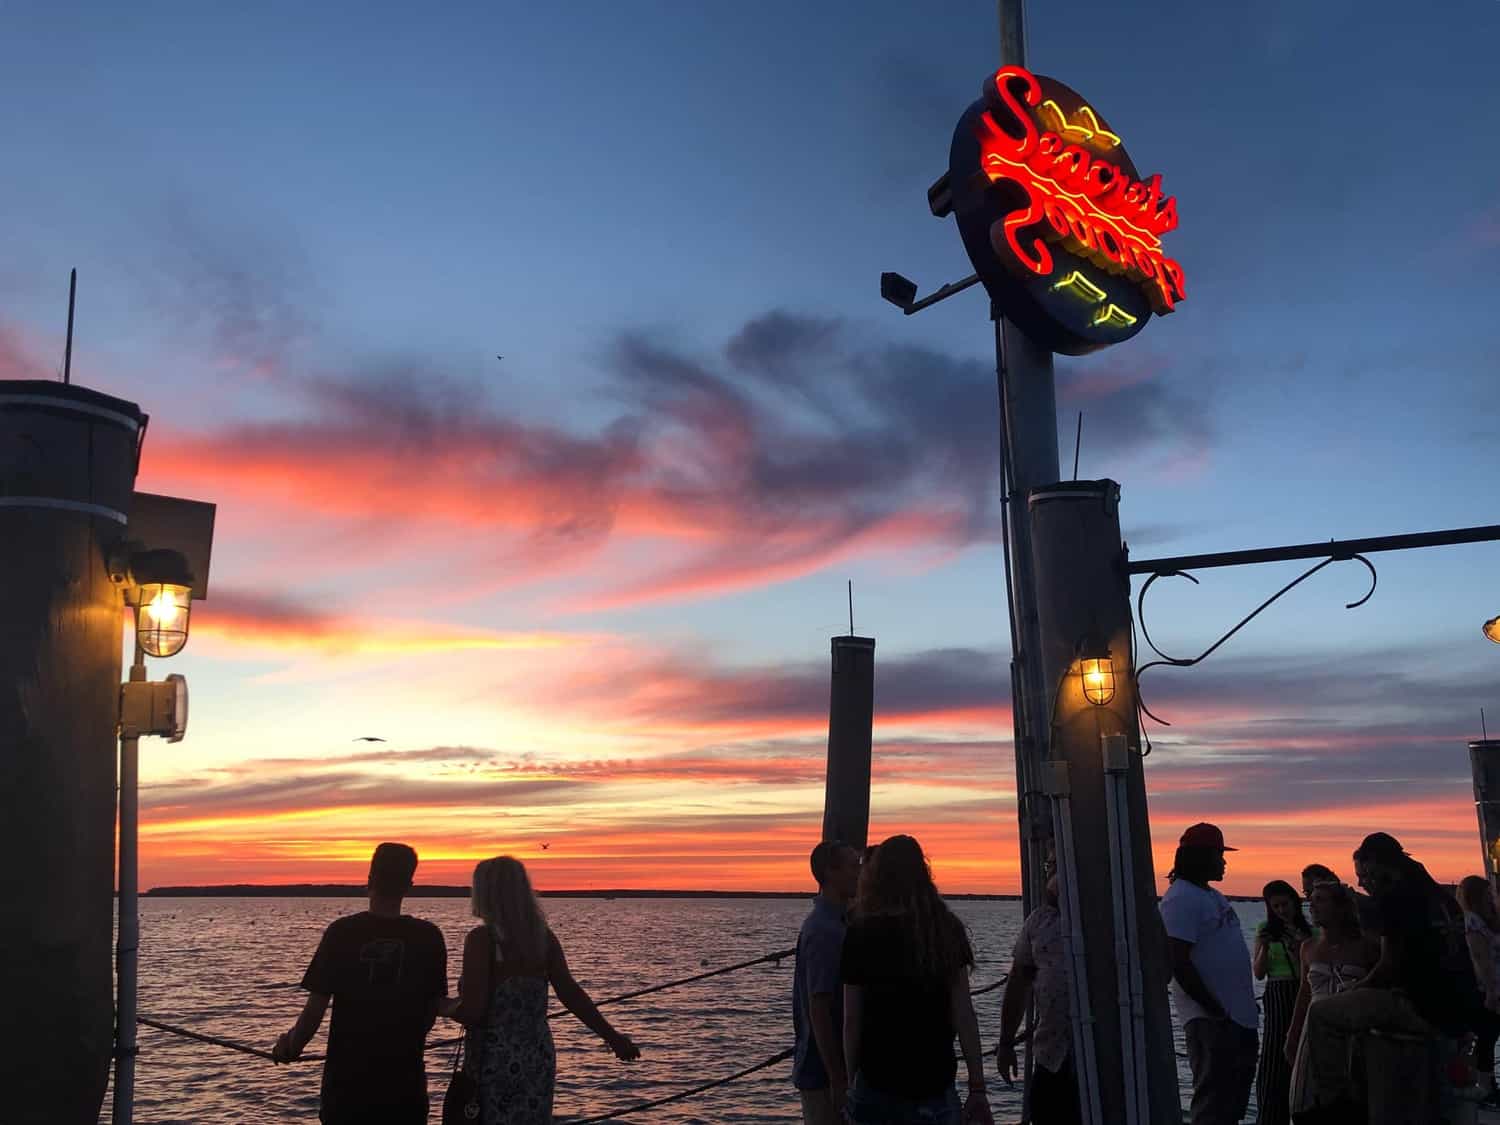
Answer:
(1066, 237)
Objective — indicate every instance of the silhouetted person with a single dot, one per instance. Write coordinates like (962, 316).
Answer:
(818, 1069)
(1482, 932)
(1336, 958)
(1277, 960)
(1316, 873)
(1038, 970)
(509, 960)
(1423, 984)
(385, 973)
(1211, 979)
(905, 970)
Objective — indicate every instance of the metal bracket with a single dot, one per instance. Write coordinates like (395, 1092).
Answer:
(1055, 781)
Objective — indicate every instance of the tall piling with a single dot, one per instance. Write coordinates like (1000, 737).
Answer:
(851, 715)
(1484, 760)
(1101, 825)
(68, 459)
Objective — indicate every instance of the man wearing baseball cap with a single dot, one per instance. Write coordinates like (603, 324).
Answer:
(1211, 979)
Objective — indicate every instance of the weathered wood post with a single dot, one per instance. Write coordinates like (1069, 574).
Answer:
(851, 714)
(67, 469)
(1484, 760)
(1083, 603)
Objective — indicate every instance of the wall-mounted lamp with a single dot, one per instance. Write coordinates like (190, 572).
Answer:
(1096, 670)
(163, 601)
(1492, 629)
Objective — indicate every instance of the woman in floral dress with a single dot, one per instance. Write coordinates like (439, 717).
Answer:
(509, 961)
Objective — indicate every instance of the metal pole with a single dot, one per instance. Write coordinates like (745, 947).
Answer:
(1028, 421)
(1116, 756)
(68, 348)
(128, 944)
(1085, 1060)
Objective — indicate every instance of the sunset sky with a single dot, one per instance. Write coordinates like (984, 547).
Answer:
(585, 592)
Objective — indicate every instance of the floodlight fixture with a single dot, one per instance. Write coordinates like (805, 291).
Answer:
(899, 291)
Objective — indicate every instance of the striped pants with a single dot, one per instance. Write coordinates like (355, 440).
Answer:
(1273, 1078)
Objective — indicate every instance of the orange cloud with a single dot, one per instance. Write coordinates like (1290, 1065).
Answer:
(231, 621)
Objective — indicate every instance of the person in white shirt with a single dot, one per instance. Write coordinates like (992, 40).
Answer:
(1212, 984)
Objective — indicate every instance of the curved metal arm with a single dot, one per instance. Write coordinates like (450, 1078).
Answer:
(1188, 662)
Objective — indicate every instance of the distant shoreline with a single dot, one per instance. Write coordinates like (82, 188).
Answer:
(357, 890)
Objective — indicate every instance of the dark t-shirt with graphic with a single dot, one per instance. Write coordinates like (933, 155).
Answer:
(385, 976)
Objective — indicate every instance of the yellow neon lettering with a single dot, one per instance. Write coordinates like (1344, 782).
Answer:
(1113, 316)
(1081, 287)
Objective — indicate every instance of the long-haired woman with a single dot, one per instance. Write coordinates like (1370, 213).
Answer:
(1482, 932)
(509, 960)
(1277, 961)
(1335, 959)
(905, 970)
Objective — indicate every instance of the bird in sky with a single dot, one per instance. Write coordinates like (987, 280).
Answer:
(499, 357)
(368, 738)
(546, 846)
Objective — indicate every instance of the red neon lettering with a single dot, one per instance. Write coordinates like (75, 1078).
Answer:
(1089, 205)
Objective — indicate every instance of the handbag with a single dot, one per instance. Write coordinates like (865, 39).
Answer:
(461, 1101)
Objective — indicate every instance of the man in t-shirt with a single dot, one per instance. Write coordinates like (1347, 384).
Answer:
(385, 972)
(1211, 979)
(1039, 969)
(818, 1069)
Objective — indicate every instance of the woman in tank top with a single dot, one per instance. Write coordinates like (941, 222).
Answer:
(509, 960)
(1335, 959)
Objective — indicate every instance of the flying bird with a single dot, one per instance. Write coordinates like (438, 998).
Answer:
(546, 846)
(499, 357)
(368, 738)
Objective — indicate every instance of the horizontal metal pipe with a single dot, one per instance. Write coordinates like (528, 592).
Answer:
(1333, 548)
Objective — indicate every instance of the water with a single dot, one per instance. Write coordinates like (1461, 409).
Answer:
(225, 966)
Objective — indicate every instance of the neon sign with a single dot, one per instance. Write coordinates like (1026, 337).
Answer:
(1064, 232)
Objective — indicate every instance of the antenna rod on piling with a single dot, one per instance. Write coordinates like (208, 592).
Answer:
(68, 348)
(851, 607)
(1077, 444)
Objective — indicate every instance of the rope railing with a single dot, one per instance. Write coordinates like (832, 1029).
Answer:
(777, 956)
(215, 1041)
(780, 1056)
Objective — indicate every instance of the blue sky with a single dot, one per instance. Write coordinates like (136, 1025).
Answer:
(288, 217)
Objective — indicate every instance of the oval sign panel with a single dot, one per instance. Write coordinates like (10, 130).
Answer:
(1061, 228)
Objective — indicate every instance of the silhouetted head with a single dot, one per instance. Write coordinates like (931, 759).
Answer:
(1197, 865)
(1334, 908)
(900, 887)
(835, 866)
(1283, 909)
(1381, 865)
(1475, 897)
(1200, 855)
(1313, 874)
(391, 870)
(503, 898)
